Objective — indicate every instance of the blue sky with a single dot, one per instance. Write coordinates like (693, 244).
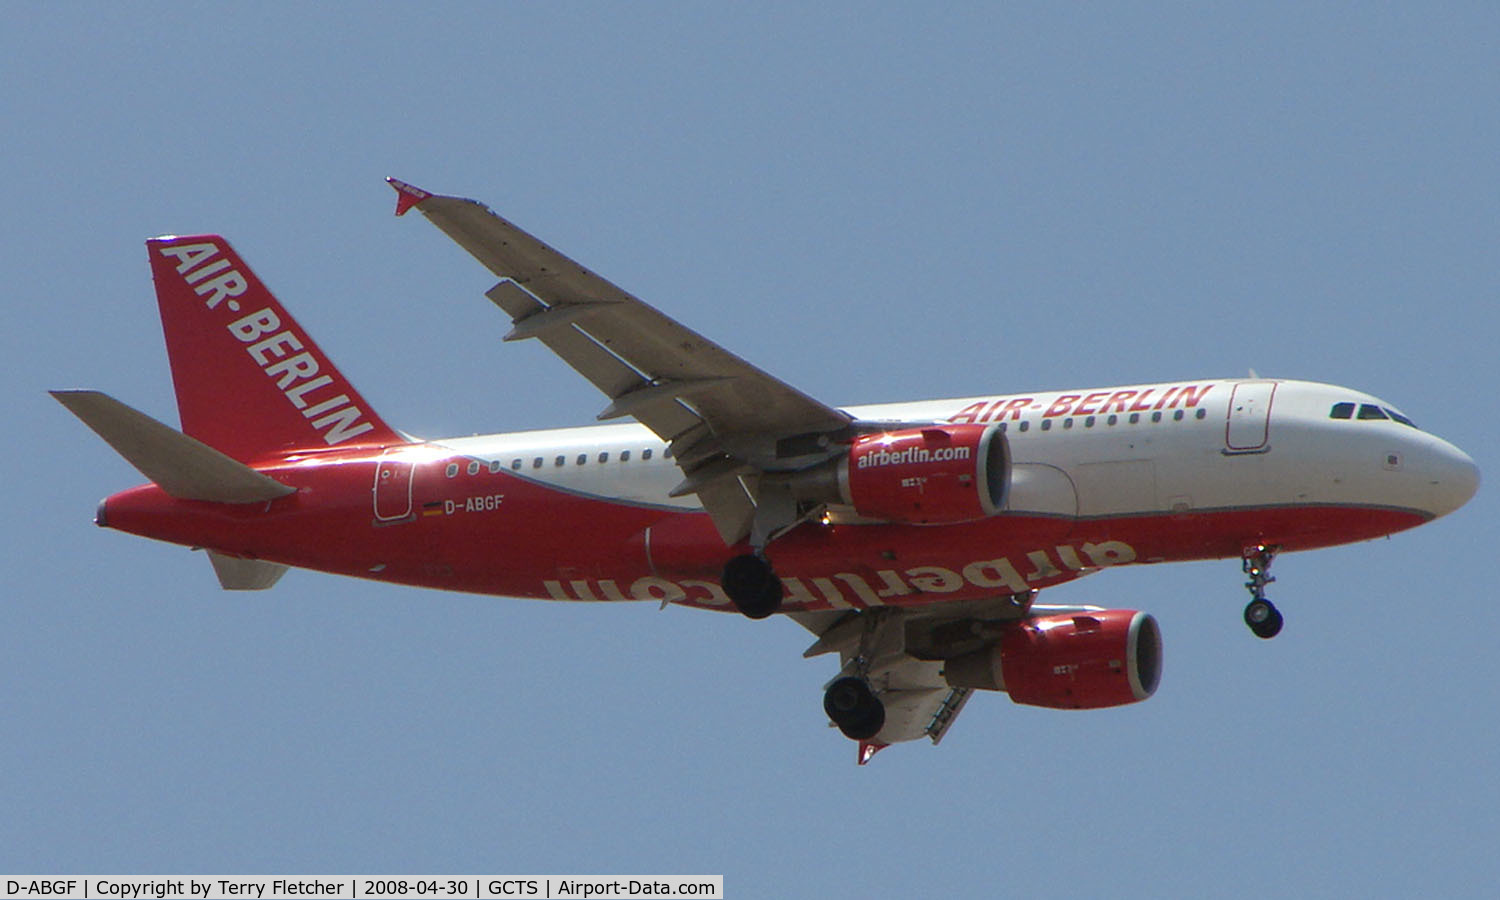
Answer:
(875, 202)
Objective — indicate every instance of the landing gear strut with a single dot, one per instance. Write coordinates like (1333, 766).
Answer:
(752, 585)
(1261, 614)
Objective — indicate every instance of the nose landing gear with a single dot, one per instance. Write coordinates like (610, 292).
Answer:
(1261, 614)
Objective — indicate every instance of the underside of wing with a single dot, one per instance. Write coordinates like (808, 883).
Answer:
(899, 656)
(907, 673)
(725, 419)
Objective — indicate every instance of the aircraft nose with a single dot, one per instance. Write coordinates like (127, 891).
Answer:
(1454, 478)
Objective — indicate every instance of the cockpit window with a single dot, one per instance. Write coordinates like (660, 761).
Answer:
(1368, 411)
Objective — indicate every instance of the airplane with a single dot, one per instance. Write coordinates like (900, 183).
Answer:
(911, 539)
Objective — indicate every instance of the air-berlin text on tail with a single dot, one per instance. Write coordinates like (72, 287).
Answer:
(297, 376)
(1146, 399)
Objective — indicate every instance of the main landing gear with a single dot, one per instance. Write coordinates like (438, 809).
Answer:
(854, 708)
(1261, 614)
(752, 585)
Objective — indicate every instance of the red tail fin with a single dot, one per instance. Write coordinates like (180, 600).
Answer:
(249, 380)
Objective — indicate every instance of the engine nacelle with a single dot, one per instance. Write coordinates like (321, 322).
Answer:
(938, 475)
(1079, 661)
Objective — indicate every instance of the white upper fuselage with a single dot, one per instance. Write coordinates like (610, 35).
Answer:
(1136, 449)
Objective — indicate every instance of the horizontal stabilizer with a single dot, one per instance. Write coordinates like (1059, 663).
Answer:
(185, 468)
(237, 574)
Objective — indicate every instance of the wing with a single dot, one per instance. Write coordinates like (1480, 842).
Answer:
(726, 420)
(901, 653)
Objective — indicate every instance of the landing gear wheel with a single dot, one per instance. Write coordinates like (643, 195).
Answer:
(1263, 618)
(752, 586)
(1261, 615)
(854, 708)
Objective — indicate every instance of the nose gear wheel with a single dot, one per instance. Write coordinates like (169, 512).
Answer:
(1264, 619)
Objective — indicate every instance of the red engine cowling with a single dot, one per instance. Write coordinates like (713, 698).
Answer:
(939, 475)
(1079, 661)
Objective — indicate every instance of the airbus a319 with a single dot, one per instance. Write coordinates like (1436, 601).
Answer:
(911, 539)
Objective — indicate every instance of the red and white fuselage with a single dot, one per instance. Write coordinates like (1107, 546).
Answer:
(1136, 474)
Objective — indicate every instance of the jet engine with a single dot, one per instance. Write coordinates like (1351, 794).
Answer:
(933, 475)
(1079, 661)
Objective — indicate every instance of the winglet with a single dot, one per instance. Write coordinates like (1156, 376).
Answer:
(407, 195)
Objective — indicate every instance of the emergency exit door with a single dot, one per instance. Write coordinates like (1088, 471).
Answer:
(393, 489)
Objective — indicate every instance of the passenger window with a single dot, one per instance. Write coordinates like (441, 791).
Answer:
(583, 458)
(604, 456)
(1156, 416)
(1004, 427)
(624, 456)
(1046, 424)
(1113, 419)
(474, 467)
(1341, 411)
(1068, 422)
(536, 463)
(560, 461)
(1370, 411)
(1177, 416)
(452, 470)
(1135, 418)
(646, 453)
(1089, 422)
(1025, 425)
(494, 466)
(1201, 414)
(515, 464)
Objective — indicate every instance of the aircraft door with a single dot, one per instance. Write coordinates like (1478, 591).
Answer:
(393, 477)
(1249, 426)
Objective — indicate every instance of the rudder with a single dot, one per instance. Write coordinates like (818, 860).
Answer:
(249, 381)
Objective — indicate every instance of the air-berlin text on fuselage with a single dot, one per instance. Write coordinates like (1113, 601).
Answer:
(217, 281)
(999, 576)
(1139, 400)
(912, 456)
